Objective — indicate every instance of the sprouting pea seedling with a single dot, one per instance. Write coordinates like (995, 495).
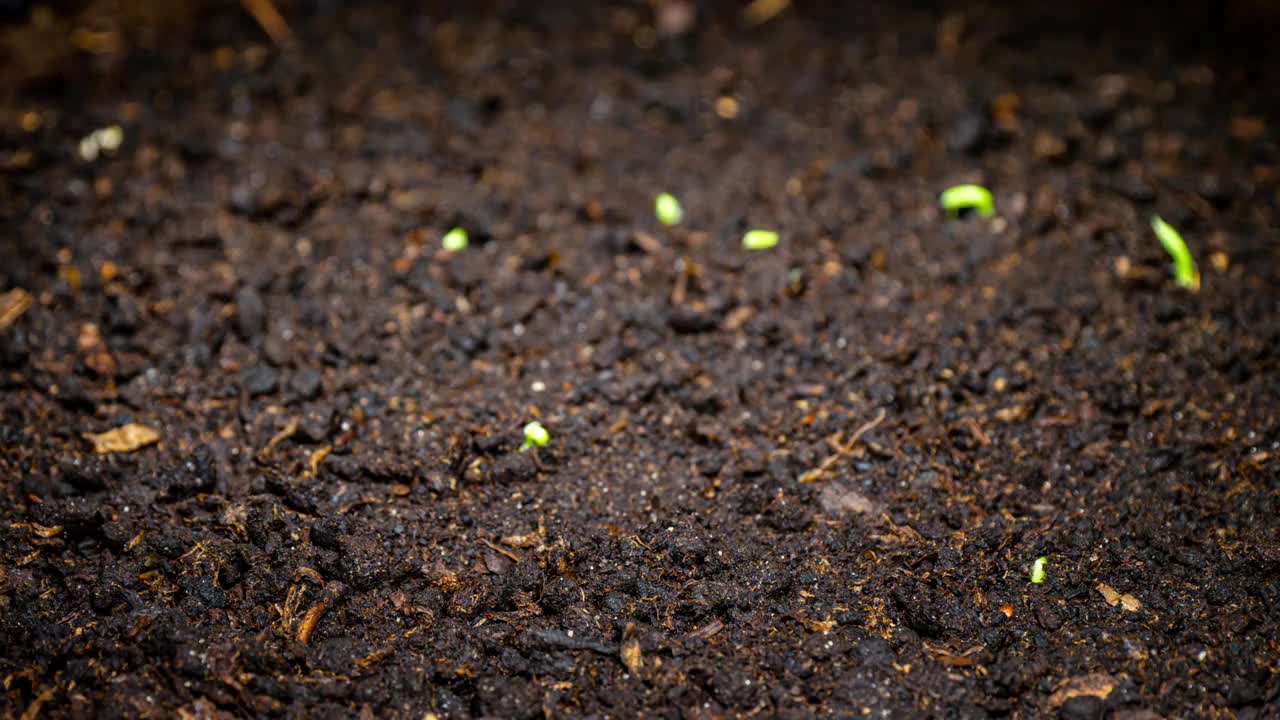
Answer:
(668, 209)
(1184, 266)
(968, 197)
(1037, 570)
(535, 435)
(107, 139)
(759, 239)
(456, 240)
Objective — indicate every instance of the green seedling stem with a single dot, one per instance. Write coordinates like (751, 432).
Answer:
(968, 197)
(759, 239)
(668, 209)
(1037, 570)
(1184, 266)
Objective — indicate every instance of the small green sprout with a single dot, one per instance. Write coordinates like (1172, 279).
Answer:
(535, 435)
(456, 240)
(759, 239)
(1184, 266)
(968, 197)
(1037, 570)
(107, 139)
(668, 209)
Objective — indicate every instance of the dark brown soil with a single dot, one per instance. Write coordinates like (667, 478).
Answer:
(337, 521)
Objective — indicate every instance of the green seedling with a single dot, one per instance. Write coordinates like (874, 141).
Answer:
(668, 209)
(759, 239)
(107, 139)
(968, 197)
(456, 240)
(1184, 266)
(535, 435)
(1037, 570)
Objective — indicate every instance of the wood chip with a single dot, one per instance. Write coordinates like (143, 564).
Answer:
(708, 630)
(1248, 127)
(762, 11)
(533, 539)
(1113, 598)
(737, 318)
(629, 649)
(12, 305)
(309, 621)
(839, 501)
(647, 243)
(317, 457)
(954, 659)
(1098, 685)
(819, 626)
(97, 356)
(842, 450)
(631, 656)
(503, 551)
(1109, 594)
(272, 22)
(43, 531)
(290, 429)
(125, 438)
(309, 573)
(33, 710)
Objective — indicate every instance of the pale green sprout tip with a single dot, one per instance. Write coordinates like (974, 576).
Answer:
(1037, 570)
(455, 240)
(968, 197)
(759, 239)
(668, 209)
(535, 435)
(1184, 266)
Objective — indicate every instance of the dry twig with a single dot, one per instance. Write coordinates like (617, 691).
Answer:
(842, 449)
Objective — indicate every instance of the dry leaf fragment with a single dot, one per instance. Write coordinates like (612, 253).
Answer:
(12, 305)
(125, 438)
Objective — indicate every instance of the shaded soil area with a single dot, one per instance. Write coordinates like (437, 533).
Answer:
(806, 482)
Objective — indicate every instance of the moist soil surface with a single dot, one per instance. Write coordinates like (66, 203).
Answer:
(803, 482)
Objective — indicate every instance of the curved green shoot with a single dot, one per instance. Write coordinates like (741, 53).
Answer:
(759, 239)
(668, 209)
(968, 197)
(1037, 570)
(1184, 266)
